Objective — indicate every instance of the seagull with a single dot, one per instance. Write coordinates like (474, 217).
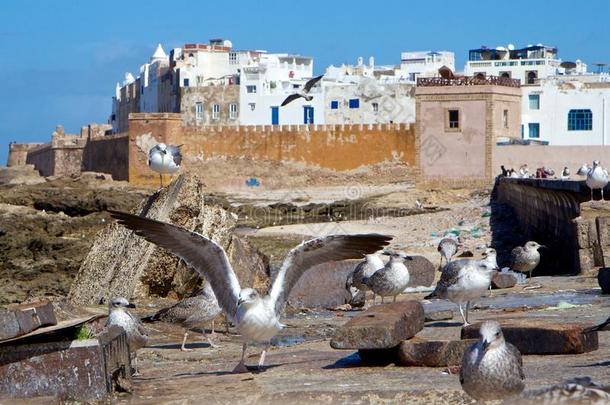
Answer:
(257, 318)
(504, 171)
(579, 390)
(305, 93)
(464, 280)
(492, 368)
(191, 313)
(524, 172)
(447, 247)
(391, 279)
(583, 170)
(118, 315)
(164, 159)
(565, 173)
(526, 258)
(513, 174)
(364, 269)
(597, 177)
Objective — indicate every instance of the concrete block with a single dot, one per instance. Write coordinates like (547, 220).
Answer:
(603, 234)
(540, 337)
(421, 271)
(381, 326)
(586, 260)
(426, 353)
(24, 318)
(582, 229)
(439, 315)
(502, 280)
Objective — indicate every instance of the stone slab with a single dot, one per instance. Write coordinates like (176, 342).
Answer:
(501, 280)
(381, 326)
(24, 318)
(421, 272)
(603, 232)
(540, 337)
(583, 231)
(428, 353)
(439, 315)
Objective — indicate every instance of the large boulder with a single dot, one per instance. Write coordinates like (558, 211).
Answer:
(123, 264)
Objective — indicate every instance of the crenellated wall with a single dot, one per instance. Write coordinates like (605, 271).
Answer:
(108, 154)
(338, 147)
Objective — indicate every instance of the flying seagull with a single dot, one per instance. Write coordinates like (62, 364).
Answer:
(256, 317)
(305, 93)
(164, 159)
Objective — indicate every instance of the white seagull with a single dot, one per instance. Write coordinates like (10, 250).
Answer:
(119, 315)
(305, 93)
(257, 318)
(565, 173)
(597, 177)
(164, 159)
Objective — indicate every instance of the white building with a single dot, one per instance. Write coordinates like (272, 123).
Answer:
(268, 80)
(425, 63)
(527, 64)
(150, 74)
(568, 110)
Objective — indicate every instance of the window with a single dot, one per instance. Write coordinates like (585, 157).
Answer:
(375, 107)
(252, 106)
(534, 130)
(580, 120)
(505, 118)
(334, 104)
(531, 76)
(199, 80)
(199, 111)
(505, 75)
(251, 89)
(186, 82)
(215, 111)
(354, 103)
(232, 111)
(453, 119)
(534, 100)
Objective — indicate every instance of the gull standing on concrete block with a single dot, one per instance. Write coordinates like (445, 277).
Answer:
(597, 177)
(192, 313)
(526, 258)
(305, 93)
(364, 269)
(136, 333)
(257, 318)
(164, 159)
(492, 368)
(392, 279)
(565, 173)
(465, 280)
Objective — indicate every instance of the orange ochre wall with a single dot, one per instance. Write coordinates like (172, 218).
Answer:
(338, 147)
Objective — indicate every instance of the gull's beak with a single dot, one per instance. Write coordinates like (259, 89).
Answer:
(405, 257)
(485, 345)
(543, 246)
(240, 301)
(386, 253)
(131, 305)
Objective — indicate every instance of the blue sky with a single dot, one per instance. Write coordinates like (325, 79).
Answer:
(60, 60)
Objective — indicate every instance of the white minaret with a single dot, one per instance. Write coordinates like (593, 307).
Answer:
(117, 91)
(159, 54)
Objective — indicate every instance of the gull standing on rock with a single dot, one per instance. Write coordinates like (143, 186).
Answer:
(526, 258)
(565, 173)
(364, 269)
(257, 318)
(192, 313)
(118, 315)
(392, 279)
(164, 159)
(465, 280)
(305, 93)
(597, 177)
(492, 368)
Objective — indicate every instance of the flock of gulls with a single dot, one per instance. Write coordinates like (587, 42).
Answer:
(596, 175)
(491, 368)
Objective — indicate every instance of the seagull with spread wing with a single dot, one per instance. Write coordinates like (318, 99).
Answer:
(305, 93)
(257, 318)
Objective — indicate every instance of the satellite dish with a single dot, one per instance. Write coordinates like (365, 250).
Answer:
(501, 49)
(511, 47)
(568, 65)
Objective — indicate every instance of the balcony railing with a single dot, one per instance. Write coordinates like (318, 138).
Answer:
(468, 81)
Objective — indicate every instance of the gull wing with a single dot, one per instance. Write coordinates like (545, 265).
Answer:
(175, 152)
(311, 82)
(317, 251)
(202, 254)
(290, 99)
